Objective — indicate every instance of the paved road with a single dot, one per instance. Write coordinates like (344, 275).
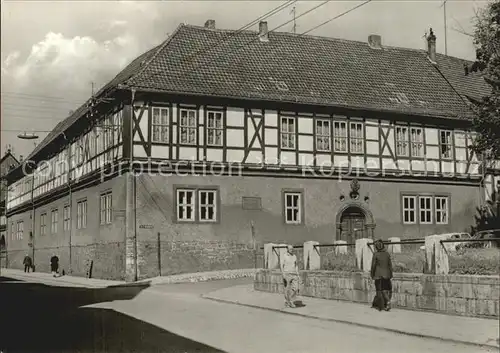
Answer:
(174, 318)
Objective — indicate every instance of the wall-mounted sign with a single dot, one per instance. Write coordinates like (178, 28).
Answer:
(146, 226)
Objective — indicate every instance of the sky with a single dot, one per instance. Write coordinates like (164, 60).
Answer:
(53, 53)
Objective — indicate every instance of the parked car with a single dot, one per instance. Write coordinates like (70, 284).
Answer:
(453, 246)
(484, 234)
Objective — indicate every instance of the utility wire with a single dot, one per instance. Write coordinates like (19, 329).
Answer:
(248, 25)
(336, 17)
(257, 38)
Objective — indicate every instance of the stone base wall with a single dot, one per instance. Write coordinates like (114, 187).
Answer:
(475, 296)
(192, 256)
(108, 260)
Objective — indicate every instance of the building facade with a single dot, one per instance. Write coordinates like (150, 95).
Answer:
(7, 162)
(214, 142)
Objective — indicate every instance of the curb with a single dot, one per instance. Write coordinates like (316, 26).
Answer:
(52, 281)
(207, 296)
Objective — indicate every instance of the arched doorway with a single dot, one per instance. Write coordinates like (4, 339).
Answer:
(352, 224)
(354, 221)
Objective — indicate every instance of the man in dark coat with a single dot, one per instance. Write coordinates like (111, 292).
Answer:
(381, 272)
(27, 263)
(54, 265)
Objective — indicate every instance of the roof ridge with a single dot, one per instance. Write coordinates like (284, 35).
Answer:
(153, 57)
(288, 34)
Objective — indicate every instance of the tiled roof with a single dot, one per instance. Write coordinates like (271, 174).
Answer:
(298, 69)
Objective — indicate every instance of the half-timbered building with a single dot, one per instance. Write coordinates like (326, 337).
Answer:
(216, 140)
(7, 162)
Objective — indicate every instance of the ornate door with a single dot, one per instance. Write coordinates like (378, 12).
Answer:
(352, 225)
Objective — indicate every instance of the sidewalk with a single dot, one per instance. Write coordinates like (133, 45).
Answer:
(74, 281)
(63, 281)
(475, 331)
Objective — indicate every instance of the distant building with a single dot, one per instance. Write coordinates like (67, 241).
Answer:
(7, 162)
(303, 137)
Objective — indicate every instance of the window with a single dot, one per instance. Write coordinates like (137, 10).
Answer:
(54, 218)
(43, 224)
(287, 133)
(188, 126)
(425, 209)
(340, 136)
(356, 138)
(323, 135)
(20, 230)
(12, 231)
(409, 209)
(79, 153)
(67, 217)
(185, 205)
(160, 125)
(81, 214)
(106, 207)
(445, 142)
(196, 205)
(441, 207)
(417, 142)
(402, 145)
(293, 207)
(214, 129)
(207, 207)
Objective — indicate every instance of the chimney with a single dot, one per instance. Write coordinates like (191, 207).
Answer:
(263, 33)
(431, 46)
(375, 41)
(210, 24)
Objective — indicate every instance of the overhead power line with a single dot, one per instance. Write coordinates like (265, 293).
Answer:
(256, 38)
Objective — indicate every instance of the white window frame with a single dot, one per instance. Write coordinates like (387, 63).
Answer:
(185, 126)
(160, 125)
(185, 205)
(67, 217)
(106, 208)
(81, 214)
(430, 210)
(54, 220)
(323, 135)
(43, 223)
(19, 230)
(448, 143)
(409, 210)
(215, 133)
(356, 140)
(289, 195)
(288, 132)
(402, 141)
(340, 136)
(416, 145)
(441, 213)
(207, 205)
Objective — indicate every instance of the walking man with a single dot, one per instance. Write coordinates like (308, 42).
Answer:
(381, 272)
(27, 263)
(290, 272)
(54, 265)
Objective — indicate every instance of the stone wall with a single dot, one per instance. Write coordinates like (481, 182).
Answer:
(449, 294)
(192, 256)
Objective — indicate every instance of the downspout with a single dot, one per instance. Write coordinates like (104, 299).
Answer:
(70, 196)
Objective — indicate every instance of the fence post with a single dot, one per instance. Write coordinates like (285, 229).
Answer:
(396, 248)
(312, 260)
(364, 254)
(436, 255)
(340, 249)
(159, 254)
(270, 257)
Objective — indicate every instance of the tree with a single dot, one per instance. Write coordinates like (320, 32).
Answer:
(487, 43)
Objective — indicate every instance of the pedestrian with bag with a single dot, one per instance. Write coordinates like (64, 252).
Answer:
(381, 273)
(28, 263)
(54, 265)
